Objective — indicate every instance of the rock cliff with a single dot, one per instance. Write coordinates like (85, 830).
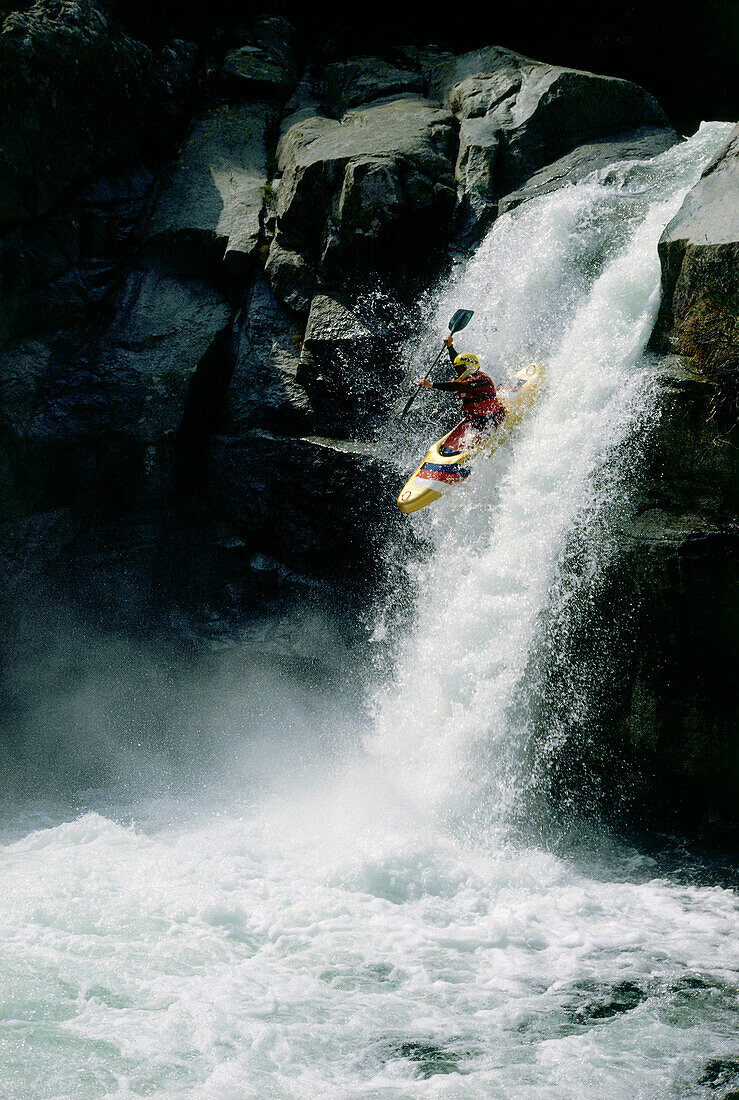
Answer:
(189, 237)
(183, 248)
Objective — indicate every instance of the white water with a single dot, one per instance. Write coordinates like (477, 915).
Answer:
(354, 918)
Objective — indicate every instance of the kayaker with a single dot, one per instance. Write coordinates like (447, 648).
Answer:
(480, 405)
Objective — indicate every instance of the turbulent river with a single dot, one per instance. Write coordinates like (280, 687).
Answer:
(337, 890)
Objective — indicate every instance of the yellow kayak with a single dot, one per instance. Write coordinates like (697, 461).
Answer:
(439, 473)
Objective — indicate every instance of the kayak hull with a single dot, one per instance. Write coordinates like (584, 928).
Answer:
(439, 473)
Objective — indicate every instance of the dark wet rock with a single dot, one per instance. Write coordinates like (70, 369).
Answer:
(349, 361)
(264, 65)
(114, 98)
(588, 158)
(518, 115)
(42, 286)
(362, 193)
(364, 79)
(54, 270)
(104, 424)
(479, 148)
(593, 1000)
(649, 651)
(265, 387)
(699, 249)
(303, 104)
(211, 204)
(721, 1076)
(292, 497)
(292, 277)
(428, 1059)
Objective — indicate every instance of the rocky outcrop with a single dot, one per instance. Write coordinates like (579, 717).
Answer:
(79, 95)
(518, 115)
(394, 174)
(366, 79)
(657, 643)
(282, 495)
(264, 63)
(267, 388)
(164, 325)
(588, 158)
(699, 249)
(210, 206)
(639, 690)
(355, 195)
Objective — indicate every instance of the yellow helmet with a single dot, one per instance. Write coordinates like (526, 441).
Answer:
(466, 364)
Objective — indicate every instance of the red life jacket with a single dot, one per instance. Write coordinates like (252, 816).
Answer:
(477, 394)
(479, 397)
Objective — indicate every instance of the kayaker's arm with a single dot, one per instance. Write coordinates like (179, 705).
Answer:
(471, 386)
(452, 356)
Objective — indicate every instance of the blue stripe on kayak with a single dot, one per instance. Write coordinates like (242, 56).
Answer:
(449, 468)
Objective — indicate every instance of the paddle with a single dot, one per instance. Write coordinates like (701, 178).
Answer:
(458, 321)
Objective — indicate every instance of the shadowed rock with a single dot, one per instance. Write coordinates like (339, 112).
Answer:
(78, 94)
(265, 387)
(212, 201)
(265, 65)
(364, 79)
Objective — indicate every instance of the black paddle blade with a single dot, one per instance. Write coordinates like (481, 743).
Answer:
(460, 319)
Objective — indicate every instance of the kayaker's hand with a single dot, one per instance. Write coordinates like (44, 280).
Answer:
(425, 383)
(448, 339)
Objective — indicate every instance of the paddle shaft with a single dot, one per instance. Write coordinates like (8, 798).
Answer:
(459, 320)
(414, 395)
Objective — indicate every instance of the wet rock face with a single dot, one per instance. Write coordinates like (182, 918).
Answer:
(357, 194)
(639, 691)
(518, 115)
(163, 324)
(699, 249)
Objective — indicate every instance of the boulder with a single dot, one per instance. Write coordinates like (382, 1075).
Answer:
(361, 80)
(211, 204)
(362, 193)
(534, 114)
(264, 66)
(113, 98)
(699, 249)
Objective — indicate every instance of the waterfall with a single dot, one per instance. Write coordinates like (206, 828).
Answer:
(570, 279)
